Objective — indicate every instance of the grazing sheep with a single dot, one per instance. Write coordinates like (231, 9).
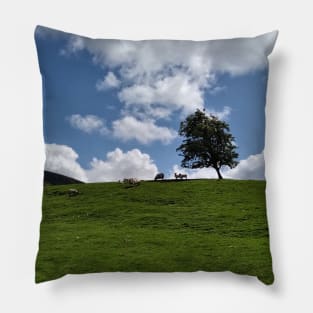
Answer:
(159, 176)
(180, 176)
(134, 181)
(131, 181)
(72, 192)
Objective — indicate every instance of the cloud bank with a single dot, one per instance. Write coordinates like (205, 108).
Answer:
(155, 78)
(116, 165)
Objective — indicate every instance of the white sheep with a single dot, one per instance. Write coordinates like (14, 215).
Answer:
(72, 192)
(131, 181)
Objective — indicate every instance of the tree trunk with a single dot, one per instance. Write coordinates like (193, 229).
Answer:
(218, 173)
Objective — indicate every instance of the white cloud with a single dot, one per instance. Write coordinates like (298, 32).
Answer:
(141, 58)
(144, 131)
(217, 89)
(170, 93)
(222, 115)
(74, 45)
(119, 165)
(62, 159)
(88, 123)
(251, 168)
(109, 81)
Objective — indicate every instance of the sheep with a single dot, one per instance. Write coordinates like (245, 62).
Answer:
(134, 181)
(131, 181)
(159, 176)
(180, 176)
(72, 192)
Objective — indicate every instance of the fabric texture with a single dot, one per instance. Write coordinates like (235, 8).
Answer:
(154, 155)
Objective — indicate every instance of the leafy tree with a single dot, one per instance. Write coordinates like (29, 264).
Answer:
(208, 143)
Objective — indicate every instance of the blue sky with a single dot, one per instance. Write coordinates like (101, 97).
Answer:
(101, 95)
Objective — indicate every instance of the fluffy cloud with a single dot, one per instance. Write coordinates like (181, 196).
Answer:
(170, 93)
(217, 89)
(251, 168)
(222, 115)
(119, 165)
(144, 131)
(109, 81)
(74, 45)
(88, 123)
(141, 58)
(62, 159)
(159, 77)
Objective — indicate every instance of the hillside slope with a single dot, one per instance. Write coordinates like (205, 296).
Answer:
(194, 225)
(51, 178)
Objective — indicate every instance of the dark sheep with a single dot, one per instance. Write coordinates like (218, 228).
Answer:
(159, 176)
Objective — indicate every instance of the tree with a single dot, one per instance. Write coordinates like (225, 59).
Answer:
(208, 143)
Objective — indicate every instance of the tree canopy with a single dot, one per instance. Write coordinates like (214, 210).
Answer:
(207, 143)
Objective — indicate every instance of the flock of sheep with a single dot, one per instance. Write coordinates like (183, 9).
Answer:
(131, 182)
(177, 176)
(158, 176)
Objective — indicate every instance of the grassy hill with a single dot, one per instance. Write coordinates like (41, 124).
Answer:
(51, 178)
(207, 225)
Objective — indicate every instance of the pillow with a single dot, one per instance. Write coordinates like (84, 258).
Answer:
(154, 155)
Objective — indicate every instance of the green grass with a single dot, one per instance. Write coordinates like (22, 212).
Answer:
(207, 225)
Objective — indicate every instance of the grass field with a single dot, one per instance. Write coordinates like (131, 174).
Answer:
(192, 225)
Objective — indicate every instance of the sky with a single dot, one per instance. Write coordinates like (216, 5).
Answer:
(112, 108)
